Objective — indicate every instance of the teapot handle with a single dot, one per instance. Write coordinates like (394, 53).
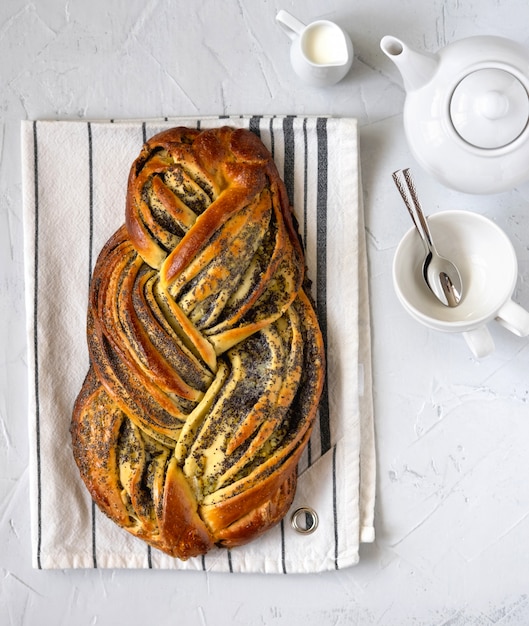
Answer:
(290, 24)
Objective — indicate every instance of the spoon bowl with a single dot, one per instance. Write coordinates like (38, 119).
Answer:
(443, 278)
(440, 274)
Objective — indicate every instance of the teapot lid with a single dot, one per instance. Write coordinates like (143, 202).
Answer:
(489, 108)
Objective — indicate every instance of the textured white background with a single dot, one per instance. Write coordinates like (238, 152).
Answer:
(452, 433)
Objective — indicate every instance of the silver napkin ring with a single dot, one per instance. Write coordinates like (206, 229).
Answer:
(304, 520)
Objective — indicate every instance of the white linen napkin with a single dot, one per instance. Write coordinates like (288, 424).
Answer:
(74, 184)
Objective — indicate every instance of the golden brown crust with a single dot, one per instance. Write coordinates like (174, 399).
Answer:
(206, 359)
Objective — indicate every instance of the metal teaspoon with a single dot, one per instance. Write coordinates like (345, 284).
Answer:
(440, 274)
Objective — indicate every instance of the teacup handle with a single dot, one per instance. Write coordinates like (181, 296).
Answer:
(290, 24)
(480, 341)
(514, 318)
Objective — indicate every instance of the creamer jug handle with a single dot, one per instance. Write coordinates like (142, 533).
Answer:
(290, 24)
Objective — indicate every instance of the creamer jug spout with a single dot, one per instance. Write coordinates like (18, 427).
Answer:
(416, 68)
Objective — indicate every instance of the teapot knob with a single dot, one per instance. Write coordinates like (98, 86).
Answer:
(493, 105)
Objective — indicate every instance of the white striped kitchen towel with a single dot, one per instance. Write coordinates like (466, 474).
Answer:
(74, 184)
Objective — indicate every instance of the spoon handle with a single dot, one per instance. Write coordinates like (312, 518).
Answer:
(406, 186)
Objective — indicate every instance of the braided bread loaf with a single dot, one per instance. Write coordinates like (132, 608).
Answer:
(206, 359)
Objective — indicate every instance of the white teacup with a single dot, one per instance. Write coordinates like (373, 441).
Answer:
(321, 52)
(487, 262)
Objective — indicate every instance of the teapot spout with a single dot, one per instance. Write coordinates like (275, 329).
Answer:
(416, 68)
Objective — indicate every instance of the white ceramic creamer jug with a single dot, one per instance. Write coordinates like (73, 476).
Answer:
(466, 113)
(321, 52)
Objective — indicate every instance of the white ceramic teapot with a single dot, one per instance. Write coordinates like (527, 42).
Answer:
(466, 114)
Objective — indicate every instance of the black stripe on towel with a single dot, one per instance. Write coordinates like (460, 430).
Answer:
(272, 143)
(90, 202)
(35, 342)
(230, 561)
(288, 166)
(254, 125)
(149, 557)
(305, 182)
(304, 235)
(335, 508)
(90, 260)
(94, 536)
(321, 304)
(321, 264)
(283, 550)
